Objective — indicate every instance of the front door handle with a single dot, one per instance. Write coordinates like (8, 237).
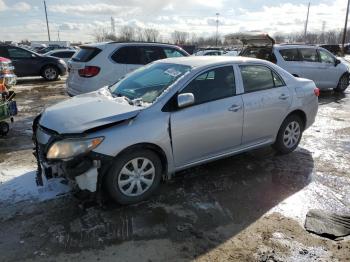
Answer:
(283, 97)
(235, 108)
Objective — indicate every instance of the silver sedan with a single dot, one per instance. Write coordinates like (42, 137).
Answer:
(170, 115)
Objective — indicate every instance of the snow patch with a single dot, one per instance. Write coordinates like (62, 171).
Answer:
(18, 184)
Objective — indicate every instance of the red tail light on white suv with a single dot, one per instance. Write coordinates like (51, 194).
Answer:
(89, 71)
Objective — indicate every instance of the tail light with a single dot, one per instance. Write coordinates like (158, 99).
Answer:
(317, 91)
(89, 71)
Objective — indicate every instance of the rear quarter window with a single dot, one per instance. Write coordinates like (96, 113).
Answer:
(85, 54)
(290, 54)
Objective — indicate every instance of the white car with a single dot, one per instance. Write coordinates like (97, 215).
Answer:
(64, 54)
(209, 53)
(103, 64)
(232, 53)
(307, 61)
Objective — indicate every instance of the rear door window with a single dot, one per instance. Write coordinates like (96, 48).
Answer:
(85, 54)
(172, 52)
(308, 54)
(257, 77)
(290, 54)
(138, 55)
(63, 54)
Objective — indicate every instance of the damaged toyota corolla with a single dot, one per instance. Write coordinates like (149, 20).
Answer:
(168, 116)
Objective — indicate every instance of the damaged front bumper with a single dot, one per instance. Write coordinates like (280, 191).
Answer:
(84, 171)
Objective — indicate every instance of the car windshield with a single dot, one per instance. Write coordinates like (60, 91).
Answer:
(149, 82)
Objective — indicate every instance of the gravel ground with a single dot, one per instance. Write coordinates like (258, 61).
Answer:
(249, 207)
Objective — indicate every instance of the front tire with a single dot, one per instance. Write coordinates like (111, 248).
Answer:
(134, 176)
(50, 73)
(289, 134)
(343, 83)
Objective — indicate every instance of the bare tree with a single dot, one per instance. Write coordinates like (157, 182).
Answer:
(127, 33)
(151, 35)
(102, 35)
(180, 37)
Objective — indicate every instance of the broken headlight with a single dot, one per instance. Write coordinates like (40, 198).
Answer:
(68, 148)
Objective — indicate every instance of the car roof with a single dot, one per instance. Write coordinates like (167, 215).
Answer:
(61, 50)
(202, 61)
(128, 43)
(288, 46)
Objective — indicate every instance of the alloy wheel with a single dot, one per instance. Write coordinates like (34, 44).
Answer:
(50, 73)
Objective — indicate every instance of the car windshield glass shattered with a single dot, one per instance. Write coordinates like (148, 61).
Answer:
(148, 83)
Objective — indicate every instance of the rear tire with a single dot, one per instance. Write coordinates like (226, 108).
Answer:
(50, 73)
(343, 83)
(289, 135)
(134, 176)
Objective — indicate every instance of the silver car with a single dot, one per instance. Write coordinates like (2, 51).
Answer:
(168, 116)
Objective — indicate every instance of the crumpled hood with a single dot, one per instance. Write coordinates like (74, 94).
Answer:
(87, 111)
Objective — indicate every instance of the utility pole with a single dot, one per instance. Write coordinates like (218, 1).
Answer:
(306, 22)
(217, 28)
(47, 22)
(58, 35)
(345, 28)
(113, 25)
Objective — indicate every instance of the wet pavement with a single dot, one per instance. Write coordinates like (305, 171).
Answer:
(250, 207)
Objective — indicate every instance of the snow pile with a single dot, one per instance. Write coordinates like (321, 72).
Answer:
(18, 184)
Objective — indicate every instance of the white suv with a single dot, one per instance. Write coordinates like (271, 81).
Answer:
(307, 61)
(98, 65)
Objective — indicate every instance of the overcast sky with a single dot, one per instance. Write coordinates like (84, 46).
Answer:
(77, 19)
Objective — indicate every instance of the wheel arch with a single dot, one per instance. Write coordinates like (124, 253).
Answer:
(153, 147)
(300, 113)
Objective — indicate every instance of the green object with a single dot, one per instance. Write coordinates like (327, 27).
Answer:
(4, 112)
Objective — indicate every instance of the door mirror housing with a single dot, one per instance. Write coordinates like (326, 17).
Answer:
(337, 62)
(184, 100)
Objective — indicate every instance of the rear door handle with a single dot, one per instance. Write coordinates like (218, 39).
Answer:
(283, 97)
(235, 108)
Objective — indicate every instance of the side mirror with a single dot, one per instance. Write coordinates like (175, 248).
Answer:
(337, 62)
(184, 100)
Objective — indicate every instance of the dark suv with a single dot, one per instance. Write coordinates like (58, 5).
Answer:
(28, 63)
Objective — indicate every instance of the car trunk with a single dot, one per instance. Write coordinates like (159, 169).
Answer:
(256, 45)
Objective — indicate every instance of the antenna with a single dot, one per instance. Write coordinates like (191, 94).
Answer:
(306, 22)
(47, 22)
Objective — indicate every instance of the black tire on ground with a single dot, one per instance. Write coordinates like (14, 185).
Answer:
(343, 83)
(4, 128)
(281, 143)
(115, 175)
(50, 73)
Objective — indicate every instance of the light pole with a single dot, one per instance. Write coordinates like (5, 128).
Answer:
(345, 28)
(217, 28)
(306, 22)
(47, 22)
